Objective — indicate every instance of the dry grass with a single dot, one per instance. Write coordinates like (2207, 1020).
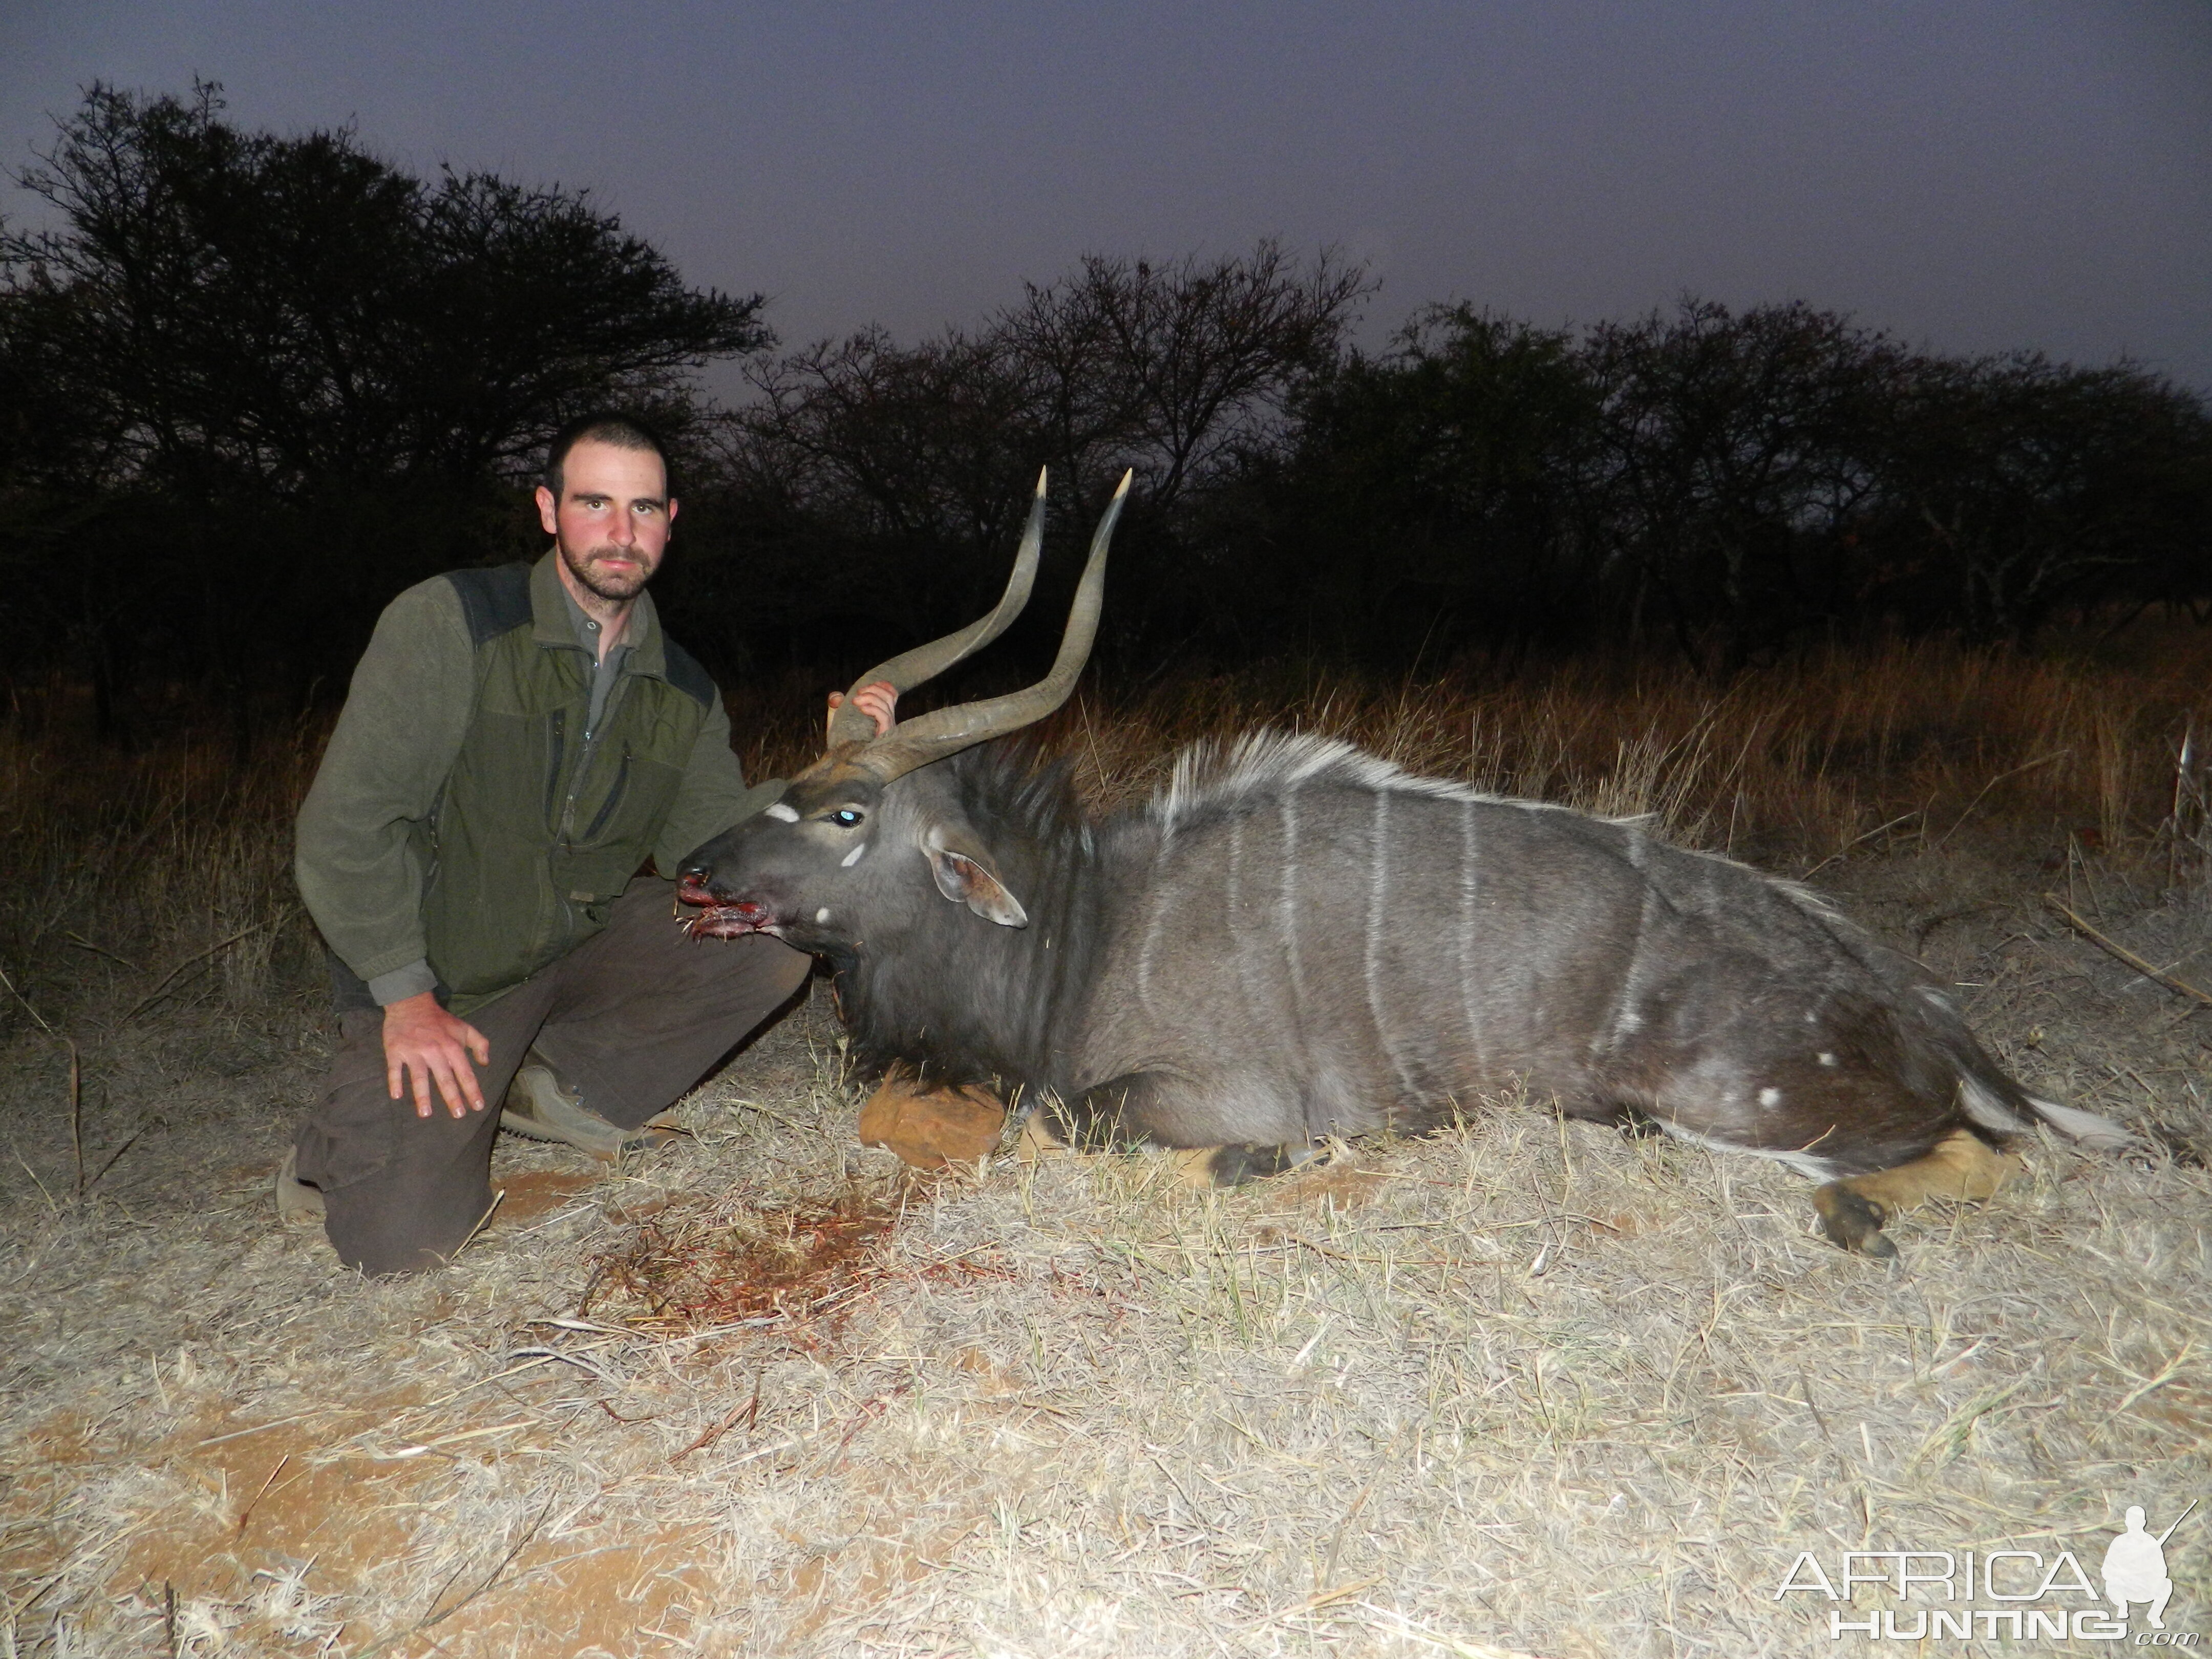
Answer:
(1901, 744)
(1519, 1388)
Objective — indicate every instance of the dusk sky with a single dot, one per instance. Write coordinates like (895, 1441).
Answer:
(1972, 176)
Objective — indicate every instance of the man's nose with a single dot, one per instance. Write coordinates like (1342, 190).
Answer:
(623, 532)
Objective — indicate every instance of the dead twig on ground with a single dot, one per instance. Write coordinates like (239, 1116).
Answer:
(2027, 766)
(76, 1115)
(1856, 840)
(491, 1578)
(76, 1084)
(246, 1513)
(2181, 987)
(750, 1411)
(161, 990)
(84, 1186)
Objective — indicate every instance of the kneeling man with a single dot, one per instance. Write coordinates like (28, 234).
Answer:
(516, 745)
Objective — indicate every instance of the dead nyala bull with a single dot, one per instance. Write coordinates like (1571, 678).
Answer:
(1299, 940)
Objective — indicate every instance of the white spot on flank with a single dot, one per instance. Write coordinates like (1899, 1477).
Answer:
(853, 857)
(1770, 1096)
(785, 814)
(822, 914)
(1826, 1059)
(1812, 1017)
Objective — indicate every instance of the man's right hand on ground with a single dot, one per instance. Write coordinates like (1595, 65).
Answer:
(424, 1045)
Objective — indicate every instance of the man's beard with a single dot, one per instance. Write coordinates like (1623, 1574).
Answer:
(606, 585)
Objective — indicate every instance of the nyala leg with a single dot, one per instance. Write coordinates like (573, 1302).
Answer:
(1123, 1115)
(1233, 1166)
(1854, 1210)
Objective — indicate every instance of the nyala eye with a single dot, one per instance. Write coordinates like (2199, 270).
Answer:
(846, 816)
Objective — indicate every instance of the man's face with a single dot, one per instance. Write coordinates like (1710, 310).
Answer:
(611, 522)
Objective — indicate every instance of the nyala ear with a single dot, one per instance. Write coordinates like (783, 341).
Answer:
(962, 876)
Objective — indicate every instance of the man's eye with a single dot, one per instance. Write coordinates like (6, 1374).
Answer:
(846, 816)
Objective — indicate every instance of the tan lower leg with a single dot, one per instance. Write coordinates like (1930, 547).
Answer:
(1961, 1165)
(1037, 1138)
(1193, 1165)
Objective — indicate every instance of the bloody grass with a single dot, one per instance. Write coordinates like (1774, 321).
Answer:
(721, 1268)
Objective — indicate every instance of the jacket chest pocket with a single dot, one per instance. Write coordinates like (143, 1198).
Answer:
(617, 837)
(628, 809)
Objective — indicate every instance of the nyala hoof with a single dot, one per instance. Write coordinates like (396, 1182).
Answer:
(1853, 1221)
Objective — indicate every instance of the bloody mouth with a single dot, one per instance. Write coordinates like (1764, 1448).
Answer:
(723, 919)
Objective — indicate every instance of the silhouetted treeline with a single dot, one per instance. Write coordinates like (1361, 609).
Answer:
(1727, 482)
(253, 386)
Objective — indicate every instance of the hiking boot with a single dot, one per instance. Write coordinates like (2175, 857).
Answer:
(540, 1107)
(298, 1203)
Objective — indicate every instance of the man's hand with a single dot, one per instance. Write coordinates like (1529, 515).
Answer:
(424, 1045)
(879, 700)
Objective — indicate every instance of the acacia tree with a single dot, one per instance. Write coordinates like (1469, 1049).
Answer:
(916, 460)
(1736, 449)
(1178, 368)
(1433, 497)
(313, 369)
(2015, 486)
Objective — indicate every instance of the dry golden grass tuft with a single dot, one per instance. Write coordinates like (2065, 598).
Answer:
(1522, 1388)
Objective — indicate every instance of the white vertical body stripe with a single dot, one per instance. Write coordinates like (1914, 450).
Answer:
(1154, 912)
(1286, 911)
(1239, 946)
(1469, 887)
(1379, 883)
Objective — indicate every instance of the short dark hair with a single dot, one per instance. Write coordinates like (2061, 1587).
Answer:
(604, 426)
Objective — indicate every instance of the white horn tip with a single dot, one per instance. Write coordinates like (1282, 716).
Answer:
(1124, 487)
(1041, 473)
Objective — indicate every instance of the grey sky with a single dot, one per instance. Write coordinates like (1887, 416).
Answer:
(1977, 176)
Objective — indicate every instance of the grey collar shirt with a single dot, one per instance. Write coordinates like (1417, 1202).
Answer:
(606, 669)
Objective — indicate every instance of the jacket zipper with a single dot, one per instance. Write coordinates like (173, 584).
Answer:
(559, 748)
(584, 763)
(614, 797)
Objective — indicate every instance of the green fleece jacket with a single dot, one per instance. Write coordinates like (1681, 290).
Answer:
(385, 797)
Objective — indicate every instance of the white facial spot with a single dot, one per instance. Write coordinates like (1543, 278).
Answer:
(822, 915)
(1826, 1059)
(853, 857)
(1770, 1096)
(784, 814)
(1812, 1016)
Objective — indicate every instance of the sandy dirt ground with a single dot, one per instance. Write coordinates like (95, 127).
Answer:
(1520, 1388)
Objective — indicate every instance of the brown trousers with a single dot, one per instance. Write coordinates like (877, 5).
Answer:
(631, 1019)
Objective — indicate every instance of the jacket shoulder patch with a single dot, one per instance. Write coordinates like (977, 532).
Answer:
(685, 674)
(495, 601)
